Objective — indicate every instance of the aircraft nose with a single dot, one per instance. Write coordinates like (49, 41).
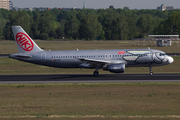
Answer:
(171, 60)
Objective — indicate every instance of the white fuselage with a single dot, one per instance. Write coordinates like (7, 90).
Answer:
(75, 58)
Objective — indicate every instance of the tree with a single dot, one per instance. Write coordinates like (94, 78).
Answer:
(132, 30)
(110, 24)
(45, 23)
(35, 25)
(59, 32)
(8, 32)
(126, 8)
(90, 27)
(145, 25)
(114, 25)
(21, 18)
(71, 27)
(111, 7)
(173, 21)
(106, 20)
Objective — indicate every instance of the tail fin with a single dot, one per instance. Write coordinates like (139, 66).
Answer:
(24, 41)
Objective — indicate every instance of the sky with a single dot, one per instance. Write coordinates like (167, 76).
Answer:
(96, 4)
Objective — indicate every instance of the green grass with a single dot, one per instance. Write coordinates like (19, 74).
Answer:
(88, 100)
(125, 101)
(10, 46)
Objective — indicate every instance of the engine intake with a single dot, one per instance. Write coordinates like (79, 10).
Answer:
(116, 68)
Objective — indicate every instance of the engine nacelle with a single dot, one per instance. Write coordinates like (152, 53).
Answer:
(116, 68)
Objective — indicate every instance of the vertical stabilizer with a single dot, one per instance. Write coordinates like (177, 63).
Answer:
(24, 41)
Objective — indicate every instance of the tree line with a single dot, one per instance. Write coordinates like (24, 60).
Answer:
(90, 24)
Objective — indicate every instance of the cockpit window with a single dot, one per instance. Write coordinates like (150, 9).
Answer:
(162, 54)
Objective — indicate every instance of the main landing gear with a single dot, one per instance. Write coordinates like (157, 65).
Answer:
(96, 73)
(151, 73)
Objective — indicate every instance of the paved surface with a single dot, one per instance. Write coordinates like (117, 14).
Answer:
(4, 55)
(88, 78)
(173, 54)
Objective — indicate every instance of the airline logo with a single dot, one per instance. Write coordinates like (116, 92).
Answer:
(24, 41)
(121, 52)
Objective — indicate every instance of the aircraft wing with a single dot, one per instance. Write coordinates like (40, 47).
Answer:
(94, 60)
(98, 63)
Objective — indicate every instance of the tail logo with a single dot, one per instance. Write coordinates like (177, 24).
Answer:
(24, 41)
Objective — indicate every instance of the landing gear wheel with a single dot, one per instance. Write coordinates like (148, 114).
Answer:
(151, 73)
(96, 74)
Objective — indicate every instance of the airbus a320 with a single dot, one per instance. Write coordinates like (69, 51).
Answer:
(114, 61)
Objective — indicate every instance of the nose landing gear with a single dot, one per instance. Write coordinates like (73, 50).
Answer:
(151, 73)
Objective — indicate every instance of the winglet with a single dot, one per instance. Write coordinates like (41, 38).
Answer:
(24, 41)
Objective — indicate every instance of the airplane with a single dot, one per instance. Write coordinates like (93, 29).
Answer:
(114, 61)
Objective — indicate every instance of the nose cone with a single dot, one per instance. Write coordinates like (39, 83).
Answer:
(171, 60)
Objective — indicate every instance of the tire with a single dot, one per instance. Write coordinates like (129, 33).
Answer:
(96, 74)
(151, 73)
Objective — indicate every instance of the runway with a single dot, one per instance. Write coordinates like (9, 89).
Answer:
(88, 78)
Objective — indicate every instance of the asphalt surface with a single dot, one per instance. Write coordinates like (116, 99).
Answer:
(4, 55)
(173, 54)
(88, 78)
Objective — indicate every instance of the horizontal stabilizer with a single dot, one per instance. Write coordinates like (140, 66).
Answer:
(20, 56)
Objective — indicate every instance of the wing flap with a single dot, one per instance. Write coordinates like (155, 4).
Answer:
(98, 63)
(94, 60)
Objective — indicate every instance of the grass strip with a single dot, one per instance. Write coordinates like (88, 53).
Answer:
(111, 99)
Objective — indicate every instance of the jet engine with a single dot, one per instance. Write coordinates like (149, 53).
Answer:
(116, 68)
